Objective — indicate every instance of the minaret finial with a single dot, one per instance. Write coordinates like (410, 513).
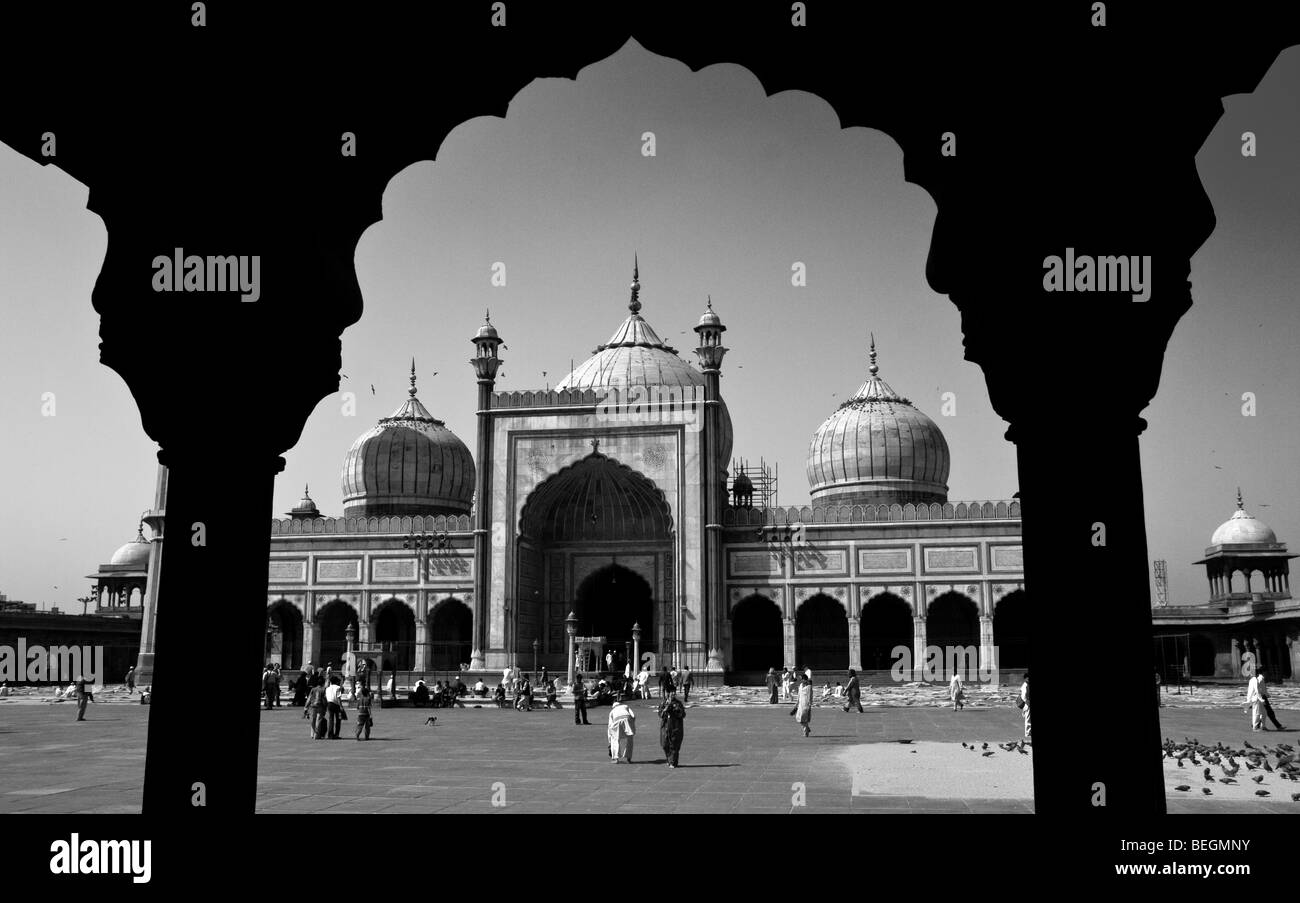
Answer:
(411, 391)
(873, 369)
(306, 491)
(1239, 502)
(635, 304)
(710, 304)
(487, 315)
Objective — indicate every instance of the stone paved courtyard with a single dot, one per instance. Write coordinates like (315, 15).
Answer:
(736, 758)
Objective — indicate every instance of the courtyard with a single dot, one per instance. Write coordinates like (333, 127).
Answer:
(736, 758)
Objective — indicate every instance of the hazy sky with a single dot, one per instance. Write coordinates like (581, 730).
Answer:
(742, 186)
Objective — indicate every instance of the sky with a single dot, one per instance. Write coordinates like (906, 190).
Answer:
(740, 188)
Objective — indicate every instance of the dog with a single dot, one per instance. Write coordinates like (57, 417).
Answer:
(429, 722)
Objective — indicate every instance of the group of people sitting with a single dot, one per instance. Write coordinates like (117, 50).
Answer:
(520, 688)
(441, 696)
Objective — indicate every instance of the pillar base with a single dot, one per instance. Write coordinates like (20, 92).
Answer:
(476, 660)
(715, 660)
(144, 670)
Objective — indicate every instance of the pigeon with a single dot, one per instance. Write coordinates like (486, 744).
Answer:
(987, 754)
(1184, 788)
(1206, 791)
(372, 388)
(1180, 763)
(985, 746)
(1258, 779)
(1261, 793)
(1267, 767)
(963, 744)
(1248, 746)
(1295, 797)
(431, 721)
(1207, 775)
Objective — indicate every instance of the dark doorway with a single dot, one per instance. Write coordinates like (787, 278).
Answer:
(284, 639)
(334, 620)
(1202, 655)
(450, 637)
(1011, 631)
(953, 625)
(395, 632)
(822, 635)
(756, 635)
(609, 602)
(886, 625)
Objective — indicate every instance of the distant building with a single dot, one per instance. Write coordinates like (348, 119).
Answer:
(1250, 614)
(15, 606)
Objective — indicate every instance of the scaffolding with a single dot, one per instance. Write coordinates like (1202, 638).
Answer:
(1162, 583)
(763, 477)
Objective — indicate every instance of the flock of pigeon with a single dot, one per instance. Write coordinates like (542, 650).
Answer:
(1015, 746)
(1230, 761)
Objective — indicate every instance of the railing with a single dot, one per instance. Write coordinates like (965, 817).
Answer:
(861, 514)
(442, 523)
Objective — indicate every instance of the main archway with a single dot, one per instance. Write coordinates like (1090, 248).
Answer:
(284, 635)
(953, 625)
(1011, 631)
(604, 534)
(449, 635)
(756, 636)
(822, 635)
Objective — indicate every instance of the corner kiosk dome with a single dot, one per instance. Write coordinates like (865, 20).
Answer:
(134, 554)
(878, 449)
(408, 464)
(633, 356)
(1242, 528)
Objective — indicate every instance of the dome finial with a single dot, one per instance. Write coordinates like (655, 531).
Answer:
(710, 304)
(305, 493)
(411, 391)
(635, 304)
(1240, 505)
(873, 369)
(487, 315)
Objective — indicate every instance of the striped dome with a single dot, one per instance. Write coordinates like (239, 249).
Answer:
(878, 449)
(633, 356)
(408, 464)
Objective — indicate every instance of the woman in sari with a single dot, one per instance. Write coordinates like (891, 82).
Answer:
(620, 731)
(803, 709)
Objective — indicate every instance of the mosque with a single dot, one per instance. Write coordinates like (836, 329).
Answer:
(600, 516)
(610, 525)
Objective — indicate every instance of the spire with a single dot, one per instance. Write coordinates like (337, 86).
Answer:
(1240, 506)
(487, 315)
(139, 531)
(874, 389)
(635, 304)
(710, 304)
(305, 493)
(873, 369)
(411, 391)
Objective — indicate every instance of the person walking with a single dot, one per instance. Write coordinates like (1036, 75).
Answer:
(785, 682)
(1262, 687)
(665, 683)
(802, 711)
(83, 696)
(773, 686)
(334, 706)
(1024, 707)
(1255, 703)
(688, 681)
(579, 701)
(315, 709)
(275, 676)
(853, 692)
(299, 688)
(672, 728)
(620, 731)
(956, 693)
(364, 718)
(130, 680)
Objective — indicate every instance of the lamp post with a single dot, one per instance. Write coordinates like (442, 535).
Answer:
(636, 648)
(536, 643)
(571, 628)
(350, 668)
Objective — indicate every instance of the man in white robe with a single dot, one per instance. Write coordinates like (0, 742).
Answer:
(621, 729)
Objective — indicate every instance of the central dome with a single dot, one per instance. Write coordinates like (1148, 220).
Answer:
(633, 356)
(408, 464)
(877, 449)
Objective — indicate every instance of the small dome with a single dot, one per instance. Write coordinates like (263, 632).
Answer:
(742, 483)
(878, 449)
(487, 330)
(1241, 527)
(709, 318)
(135, 554)
(306, 508)
(408, 464)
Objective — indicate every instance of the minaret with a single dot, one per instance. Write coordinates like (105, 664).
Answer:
(485, 363)
(710, 352)
(149, 618)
